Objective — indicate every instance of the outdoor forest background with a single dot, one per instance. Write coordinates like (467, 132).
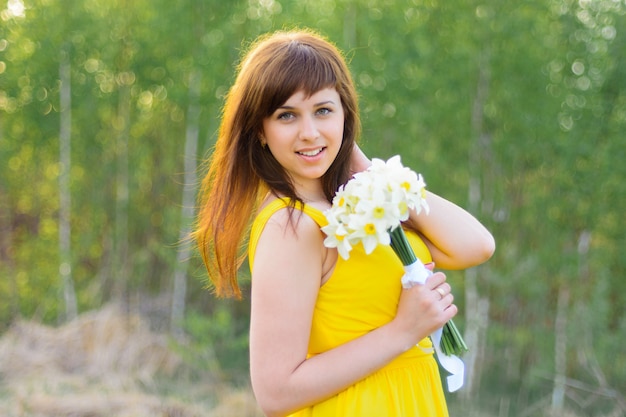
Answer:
(514, 110)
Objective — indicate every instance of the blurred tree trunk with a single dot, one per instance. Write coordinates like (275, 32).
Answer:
(477, 306)
(65, 134)
(188, 202)
(560, 350)
(349, 25)
(560, 326)
(121, 263)
(124, 80)
(192, 133)
(6, 234)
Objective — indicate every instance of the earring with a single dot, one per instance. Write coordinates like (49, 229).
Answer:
(262, 141)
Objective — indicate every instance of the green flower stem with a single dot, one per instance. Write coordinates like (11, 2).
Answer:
(401, 246)
(452, 342)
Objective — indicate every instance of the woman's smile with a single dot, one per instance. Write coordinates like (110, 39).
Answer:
(312, 153)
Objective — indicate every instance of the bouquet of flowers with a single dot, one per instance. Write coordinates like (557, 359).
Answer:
(369, 209)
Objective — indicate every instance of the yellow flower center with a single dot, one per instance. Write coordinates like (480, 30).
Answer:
(424, 193)
(403, 207)
(406, 185)
(370, 229)
(379, 212)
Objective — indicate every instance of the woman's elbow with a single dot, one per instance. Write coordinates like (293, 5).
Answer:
(470, 254)
(271, 412)
(272, 404)
(272, 408)
(485, 247)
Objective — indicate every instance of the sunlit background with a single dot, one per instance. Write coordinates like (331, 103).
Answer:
(514, 110)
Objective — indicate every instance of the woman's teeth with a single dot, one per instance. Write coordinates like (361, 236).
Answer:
(311, 153)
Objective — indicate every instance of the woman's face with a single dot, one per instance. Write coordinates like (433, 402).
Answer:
(305, 134)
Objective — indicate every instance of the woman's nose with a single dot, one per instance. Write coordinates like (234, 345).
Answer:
(308, 128)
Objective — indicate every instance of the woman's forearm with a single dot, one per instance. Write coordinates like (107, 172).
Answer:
(321, 376)
(456, 239)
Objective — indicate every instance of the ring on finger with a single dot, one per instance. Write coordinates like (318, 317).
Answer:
(441, 291)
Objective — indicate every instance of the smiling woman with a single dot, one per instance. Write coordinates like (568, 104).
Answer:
(242, 169)
(328, 336)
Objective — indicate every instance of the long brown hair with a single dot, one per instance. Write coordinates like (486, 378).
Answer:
(241, 170)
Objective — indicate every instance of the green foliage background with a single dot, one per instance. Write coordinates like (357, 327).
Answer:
(514, 110)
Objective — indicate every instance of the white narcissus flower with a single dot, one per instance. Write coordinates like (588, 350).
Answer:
(369, 233)
(380, 210)
(337, 234)
(372, 203)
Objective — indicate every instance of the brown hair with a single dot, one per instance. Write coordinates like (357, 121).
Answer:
(241, 171)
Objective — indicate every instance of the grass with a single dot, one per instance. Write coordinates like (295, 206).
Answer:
(107, 364)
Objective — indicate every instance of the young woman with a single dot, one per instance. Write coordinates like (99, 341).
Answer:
(328, 337)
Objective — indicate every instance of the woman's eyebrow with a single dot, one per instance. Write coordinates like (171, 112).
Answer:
(324, 102)
(321, 103)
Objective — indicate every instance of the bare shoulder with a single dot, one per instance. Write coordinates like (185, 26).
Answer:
(290, 232)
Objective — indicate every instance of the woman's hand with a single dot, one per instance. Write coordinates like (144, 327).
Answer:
(359, 161)
(424, 309)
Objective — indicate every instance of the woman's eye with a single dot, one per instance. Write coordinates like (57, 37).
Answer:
(285, 116)
(324, 111)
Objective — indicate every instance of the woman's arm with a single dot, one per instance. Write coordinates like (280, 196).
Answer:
(285, 282)
(455, 238)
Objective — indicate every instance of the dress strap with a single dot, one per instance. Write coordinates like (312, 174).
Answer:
(266, 212)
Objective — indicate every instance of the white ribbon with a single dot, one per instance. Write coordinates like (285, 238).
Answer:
(415, 274)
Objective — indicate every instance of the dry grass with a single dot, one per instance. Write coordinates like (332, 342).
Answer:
(104, 364)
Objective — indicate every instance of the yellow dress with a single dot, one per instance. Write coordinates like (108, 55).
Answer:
(361, 295)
